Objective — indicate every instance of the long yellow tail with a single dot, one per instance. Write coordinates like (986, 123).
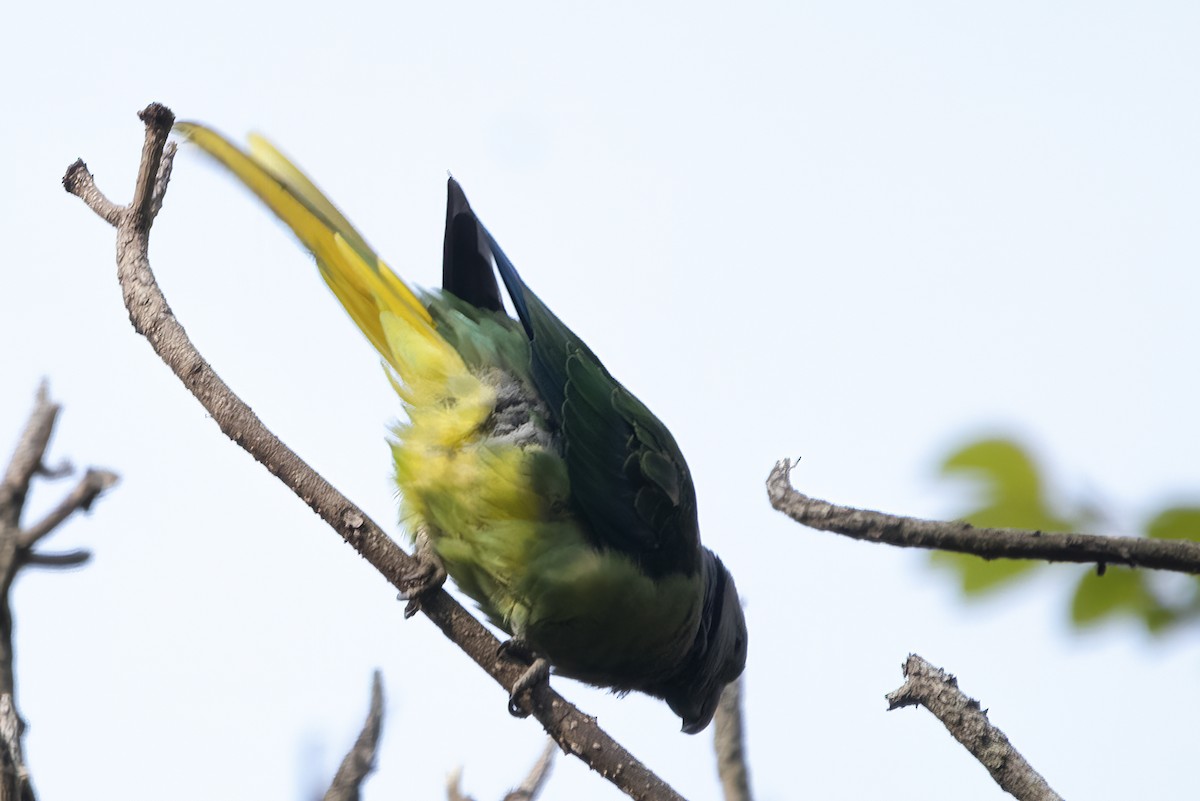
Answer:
(360, 280)
(446, 403)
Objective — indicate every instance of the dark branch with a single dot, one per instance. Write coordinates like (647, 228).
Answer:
(152, 317)
(938, 692)
(57, 560)
(152, 173)
(360, 759)
(1182, 556)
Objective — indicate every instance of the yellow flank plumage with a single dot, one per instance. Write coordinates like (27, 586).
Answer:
(440, 450)
(447, 404)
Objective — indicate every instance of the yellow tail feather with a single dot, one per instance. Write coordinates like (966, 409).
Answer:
(446, 403)
(366, 287)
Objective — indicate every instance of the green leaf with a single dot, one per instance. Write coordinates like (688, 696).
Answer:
(1119, 591)
(1123, 592)
(978, 576)
(1176, 523)
(1011, 491)
(1010, 494)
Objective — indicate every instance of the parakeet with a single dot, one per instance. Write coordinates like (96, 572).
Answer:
(554, 498)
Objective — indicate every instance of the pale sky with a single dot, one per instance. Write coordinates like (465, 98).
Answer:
(854, 232)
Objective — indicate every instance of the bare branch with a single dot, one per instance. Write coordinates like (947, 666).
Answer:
(360, 759)
(56, 560)
(27, 458)
(454, 787)
(152, 317)
(15, 553)
(79, 182)
(529, 789)
(1181, 556)
(164, 178)
(729, 745)
(151, 171)
(89, 488)
(938, 692)
(64, 469)
(15, 785)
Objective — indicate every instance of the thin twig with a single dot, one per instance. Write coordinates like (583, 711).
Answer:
(28, 458)
(152, 173)
(79, 182)
(89, 488)
(65, 559)
(16, 552)
(150, 315)
(529, 789)
(937, 691)
(1181, 556)
(163, 178)
(454, 787)
(360, 759)
(729, 743)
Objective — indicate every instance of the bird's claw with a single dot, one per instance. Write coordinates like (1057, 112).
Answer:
(538, 672)
(517, 648)
(535, 675)
(427, 574)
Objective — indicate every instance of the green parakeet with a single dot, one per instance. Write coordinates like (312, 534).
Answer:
(554, 497)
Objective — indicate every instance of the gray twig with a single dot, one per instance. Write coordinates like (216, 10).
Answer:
(937, 691)
(152, 317)
(79, 182)
(28, 458)
(529, 789)
(729, 744)
(1182, 556)
(16, 551)
(89, 488)
(360, 759)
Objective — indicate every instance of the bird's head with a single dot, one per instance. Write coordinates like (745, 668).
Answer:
(718, 654)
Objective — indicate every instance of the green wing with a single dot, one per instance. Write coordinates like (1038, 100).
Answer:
(629, 480)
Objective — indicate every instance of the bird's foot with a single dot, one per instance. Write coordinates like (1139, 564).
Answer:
(517, 648)
(537, 673)
(427, 574)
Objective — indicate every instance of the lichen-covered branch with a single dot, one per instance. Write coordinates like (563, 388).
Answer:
(152, 317)
(1182, 556)
(937, 691)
